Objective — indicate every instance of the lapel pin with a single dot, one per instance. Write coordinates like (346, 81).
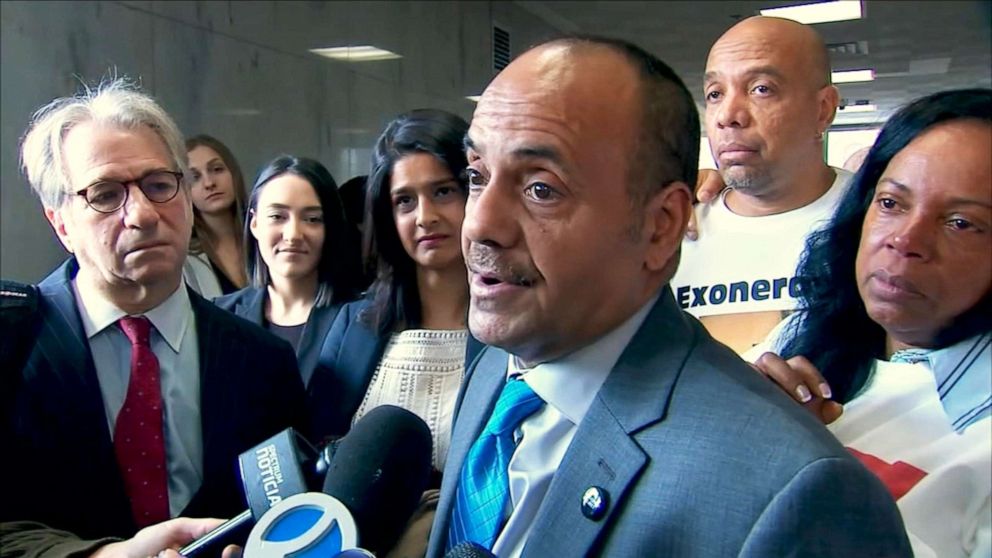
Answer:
(595, 500)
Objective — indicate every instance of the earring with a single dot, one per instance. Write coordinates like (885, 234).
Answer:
(819, 136)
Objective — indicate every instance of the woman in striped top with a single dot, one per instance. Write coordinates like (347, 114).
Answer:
(894, 333)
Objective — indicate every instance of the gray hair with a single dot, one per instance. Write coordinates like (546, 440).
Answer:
(116, 102)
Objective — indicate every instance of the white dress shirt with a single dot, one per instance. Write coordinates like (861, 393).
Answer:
(173, 340)
(568, 387)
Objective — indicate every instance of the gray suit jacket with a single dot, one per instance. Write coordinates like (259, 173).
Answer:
(700, 456)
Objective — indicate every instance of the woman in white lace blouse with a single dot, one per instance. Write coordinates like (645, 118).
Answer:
(406, 342)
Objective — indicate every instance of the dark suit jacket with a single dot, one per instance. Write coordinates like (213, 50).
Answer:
(348, 359)
(700, 456)
(249, 303)
(60, 465)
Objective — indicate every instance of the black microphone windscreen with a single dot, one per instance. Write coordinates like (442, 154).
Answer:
(469, 550)
(379, 472)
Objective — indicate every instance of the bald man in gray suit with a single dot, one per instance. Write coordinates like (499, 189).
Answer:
(603, 421)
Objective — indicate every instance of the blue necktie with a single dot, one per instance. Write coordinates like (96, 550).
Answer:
(483, 487)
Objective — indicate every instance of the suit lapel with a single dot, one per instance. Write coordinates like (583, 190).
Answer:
(218, 376)
(70, 397)
(601, 455)
(253, 308)
(483, 384)
(360, 351)
(312, 339)
(605, 452)
(62, 343)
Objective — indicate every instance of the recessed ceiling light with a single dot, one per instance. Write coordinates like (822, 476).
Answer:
(473, 98)
(821, 12)
(360, 53)
(856, 108)
(851, 76)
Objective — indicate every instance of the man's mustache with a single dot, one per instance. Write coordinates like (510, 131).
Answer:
(492, 264)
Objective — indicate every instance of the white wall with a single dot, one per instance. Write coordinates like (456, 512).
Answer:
(241, 71)
(841, 144)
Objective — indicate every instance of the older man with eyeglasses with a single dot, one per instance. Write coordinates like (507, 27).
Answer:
(138, 395)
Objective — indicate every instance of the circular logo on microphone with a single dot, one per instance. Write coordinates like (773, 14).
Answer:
(308, 525)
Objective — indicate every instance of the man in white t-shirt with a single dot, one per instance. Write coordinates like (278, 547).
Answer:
(768, 103)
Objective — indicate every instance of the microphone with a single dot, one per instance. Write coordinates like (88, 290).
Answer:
(374, 483)
(308, 525)
(280, 467)
(469, 549)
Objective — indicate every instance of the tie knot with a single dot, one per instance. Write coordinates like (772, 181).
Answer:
(515, 403)
(137, 329)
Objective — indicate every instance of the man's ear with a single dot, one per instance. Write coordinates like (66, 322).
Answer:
(666, 218)
(828, 100)
(58, 222)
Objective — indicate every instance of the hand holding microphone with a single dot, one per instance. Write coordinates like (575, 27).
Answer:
(282, 466)
(374, 481)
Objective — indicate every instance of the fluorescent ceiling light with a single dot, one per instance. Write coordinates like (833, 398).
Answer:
(361, 53)
(821, 12)
(856, 108)
(473, 98)
(851, 76)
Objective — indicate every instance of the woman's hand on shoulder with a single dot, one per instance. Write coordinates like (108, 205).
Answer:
(803, 382)
(709, 184)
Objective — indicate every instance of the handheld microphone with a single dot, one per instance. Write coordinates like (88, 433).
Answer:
(374, 482)
(271, 472)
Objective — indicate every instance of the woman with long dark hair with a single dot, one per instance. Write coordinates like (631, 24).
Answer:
(218, 193)
(405, 343)
(300, 257)
(896, 320)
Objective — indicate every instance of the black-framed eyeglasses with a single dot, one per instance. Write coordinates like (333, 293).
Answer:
(107, 196)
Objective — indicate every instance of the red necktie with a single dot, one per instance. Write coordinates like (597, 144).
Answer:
(138, 436)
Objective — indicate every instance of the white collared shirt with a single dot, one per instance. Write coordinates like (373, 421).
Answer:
(568, 386)
(174, 342)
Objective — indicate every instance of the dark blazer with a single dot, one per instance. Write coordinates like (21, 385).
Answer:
(348, 359)
(59, 463)
(249, 303)
(699, 456)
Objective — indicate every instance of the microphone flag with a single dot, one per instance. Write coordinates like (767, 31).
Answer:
(308, 525)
